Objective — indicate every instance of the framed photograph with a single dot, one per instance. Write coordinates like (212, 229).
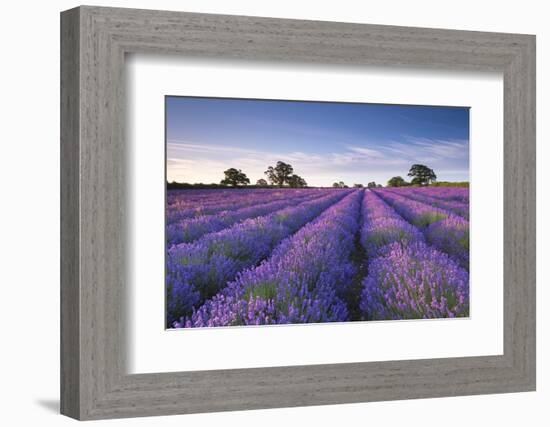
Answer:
(292, 249)
(262, 213)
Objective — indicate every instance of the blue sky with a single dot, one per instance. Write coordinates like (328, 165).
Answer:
(324, 142)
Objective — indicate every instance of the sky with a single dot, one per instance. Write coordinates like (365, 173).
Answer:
(325, 142)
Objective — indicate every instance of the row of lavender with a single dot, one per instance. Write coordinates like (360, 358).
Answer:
(182, 205)
(194, 197)
(444, 200)
(457, 194)
(442, 228)
(190, 229)
(305, 275)
(303, 281)
(408, 278)
(197, 271)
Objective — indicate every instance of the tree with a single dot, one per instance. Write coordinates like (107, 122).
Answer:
(357, 185)
(336, 185)
(397, 181)
(371, 184)
(422, 175)
(296, 181)
(234, 177)
(341, 184)
(261, 183)
(280, 174)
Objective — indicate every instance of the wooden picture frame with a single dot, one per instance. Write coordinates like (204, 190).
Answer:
(94, 41)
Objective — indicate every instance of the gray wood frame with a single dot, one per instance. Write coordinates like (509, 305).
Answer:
(94, 41)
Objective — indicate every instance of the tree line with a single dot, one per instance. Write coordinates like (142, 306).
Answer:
(341, 184)
(421, 175)
(280, 175)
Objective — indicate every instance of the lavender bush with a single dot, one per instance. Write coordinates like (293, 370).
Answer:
(458, 194)
(198, 270)
(414, 281)
(182, 204)
(446, 231)
(302, 282)
(190, 229)
(458, 208)
(275, 256)
(382, 225)
(452, 235)
(417, 213)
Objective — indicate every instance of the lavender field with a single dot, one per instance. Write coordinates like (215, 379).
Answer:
(307, 255)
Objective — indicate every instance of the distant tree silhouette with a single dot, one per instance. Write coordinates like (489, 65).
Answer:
(340, 184)
(371, 184)
(296, 181)
(357, 185)
(261, 183)
(422, 175)
(234, 177)
(283, 174)
(280, 174)
(397, 181)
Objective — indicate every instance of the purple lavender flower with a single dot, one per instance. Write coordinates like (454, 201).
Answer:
(183, 204)
(448, 232)
(451, 235)
(424, 196)
(417, 213)
(302, 282)
(414, 281)
(382, 225)
(256, 257)
(457, 194)
(206, 265)
(190, 229)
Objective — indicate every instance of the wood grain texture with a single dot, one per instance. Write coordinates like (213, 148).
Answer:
(70, 259)
(94, 240)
